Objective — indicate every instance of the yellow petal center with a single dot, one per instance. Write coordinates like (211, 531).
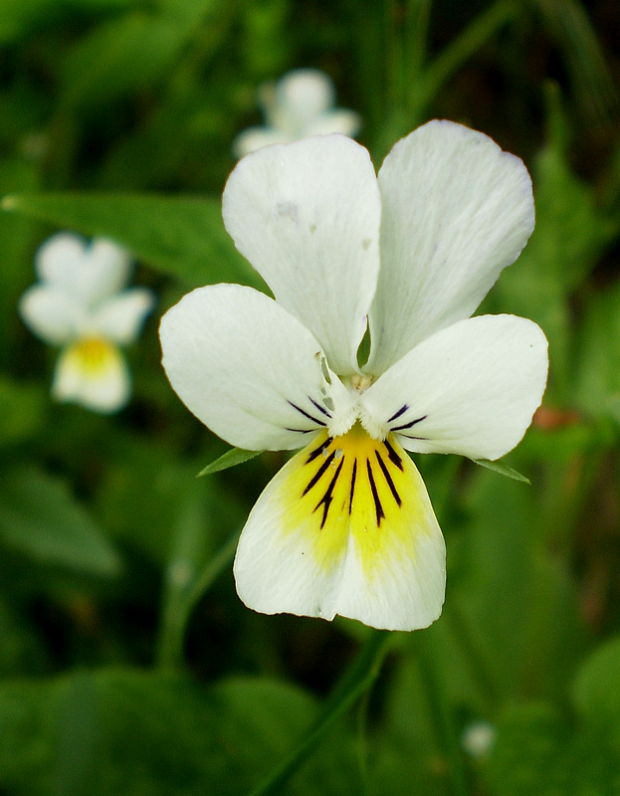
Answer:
(92, 355)
(355, 490)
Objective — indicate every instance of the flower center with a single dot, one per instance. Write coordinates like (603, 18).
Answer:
(92, 354)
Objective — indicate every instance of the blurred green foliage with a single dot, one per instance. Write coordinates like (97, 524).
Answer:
(128, 665)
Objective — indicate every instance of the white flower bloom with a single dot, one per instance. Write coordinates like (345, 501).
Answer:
(300, 104)
(478, 738)
(80, 304)
(346, 527)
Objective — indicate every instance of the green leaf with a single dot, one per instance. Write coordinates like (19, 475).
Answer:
(182, 236)
(135, 733)
(502, 469)
(38, 517)
(24, 409)
(595, 690)
(231, 458)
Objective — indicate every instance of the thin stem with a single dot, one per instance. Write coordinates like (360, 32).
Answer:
(170, 647)
(356, 681)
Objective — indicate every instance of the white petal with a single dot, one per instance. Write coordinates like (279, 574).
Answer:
(59, 258)
(469, 389)
(346, 527)
(306, 215)
(50, 313)
(257, 137)
(245, 367)
(120, 318)
(301, 97)
(456, 210)
(93, 373)
(338, 121)
(105, 271)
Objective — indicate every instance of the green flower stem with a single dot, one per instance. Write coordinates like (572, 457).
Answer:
(179, 608)
(356, 681)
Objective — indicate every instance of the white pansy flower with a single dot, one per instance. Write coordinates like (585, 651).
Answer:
(346, 527)
(300, 104)
(81, 305)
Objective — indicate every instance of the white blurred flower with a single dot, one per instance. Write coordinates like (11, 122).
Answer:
(346, 527)
(81, 305)
(300, 104)
(478, 738)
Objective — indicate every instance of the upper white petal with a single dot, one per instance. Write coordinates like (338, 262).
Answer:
(306, 215)
(120, 317)
(472, 387)
(59, 258)
(456, 210)
(50, 313)
(89, 273)
(240, 363)
(301, 96)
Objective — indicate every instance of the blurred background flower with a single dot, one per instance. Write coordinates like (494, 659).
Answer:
(81, 305)
(301, 103)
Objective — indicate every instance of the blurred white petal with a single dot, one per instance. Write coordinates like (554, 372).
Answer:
(93, 373)
(120, 317)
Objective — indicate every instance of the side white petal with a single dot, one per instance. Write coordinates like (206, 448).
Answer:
(245, 367)
(92, 373)
(456, 210)
(469, 389)
(340, 120)
(87, 272)
(120, 317)
(306, 215)
(256, 138)
(345, 529)
(50, 313)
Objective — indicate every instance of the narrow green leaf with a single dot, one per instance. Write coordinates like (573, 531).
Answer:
(502, 469)
(182, 236)
(40, 518)
(231, 458)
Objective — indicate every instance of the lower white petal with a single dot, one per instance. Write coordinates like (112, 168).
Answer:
(346, 527)
(92, 372)
(469, 389)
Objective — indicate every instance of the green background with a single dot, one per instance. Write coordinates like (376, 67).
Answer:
(127, 663)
